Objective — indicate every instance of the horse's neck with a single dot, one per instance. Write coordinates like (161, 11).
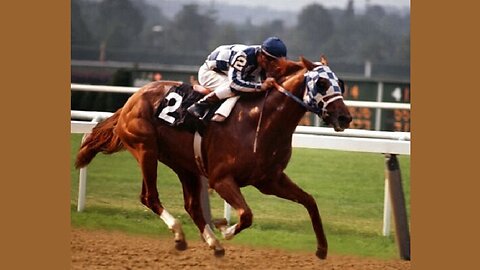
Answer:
(285, 112)
(282, 114)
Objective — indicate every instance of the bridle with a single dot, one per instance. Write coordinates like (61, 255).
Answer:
(325, 99)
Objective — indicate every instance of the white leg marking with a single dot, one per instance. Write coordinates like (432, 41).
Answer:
(174, 225)
(168, 219)
(228, 232)
(209, 236)
(212, 241)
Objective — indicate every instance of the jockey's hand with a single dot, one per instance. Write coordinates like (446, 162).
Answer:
(268, 83)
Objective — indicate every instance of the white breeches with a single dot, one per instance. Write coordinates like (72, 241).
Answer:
(220, 84)
(217, 82)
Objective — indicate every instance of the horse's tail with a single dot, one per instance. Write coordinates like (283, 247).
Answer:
(102, 139)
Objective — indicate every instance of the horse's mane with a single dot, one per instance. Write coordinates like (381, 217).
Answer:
(286, 68)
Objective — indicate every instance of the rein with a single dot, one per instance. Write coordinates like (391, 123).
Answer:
(327, 99)
(259, 123)
(313, 109)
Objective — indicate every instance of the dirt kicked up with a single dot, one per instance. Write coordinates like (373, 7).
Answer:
(112, 250)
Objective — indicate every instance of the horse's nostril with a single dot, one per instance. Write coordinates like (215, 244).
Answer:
(344, 119)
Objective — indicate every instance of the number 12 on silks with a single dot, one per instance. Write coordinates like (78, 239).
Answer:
(170, 107)
(240, 62)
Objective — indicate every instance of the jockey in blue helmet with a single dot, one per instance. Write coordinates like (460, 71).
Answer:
(236, 68)
(274, 47)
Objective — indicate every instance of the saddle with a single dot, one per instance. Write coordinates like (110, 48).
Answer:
(172, 110)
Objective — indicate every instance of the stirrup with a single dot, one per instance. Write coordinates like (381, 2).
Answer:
(197, 111)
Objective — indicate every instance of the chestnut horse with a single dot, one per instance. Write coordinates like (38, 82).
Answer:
(251, 147)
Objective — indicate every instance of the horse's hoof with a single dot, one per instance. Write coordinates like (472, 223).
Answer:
(180, 245)
(321, 253)
(219, 252)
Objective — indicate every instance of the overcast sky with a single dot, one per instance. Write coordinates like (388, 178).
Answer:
(298, 4)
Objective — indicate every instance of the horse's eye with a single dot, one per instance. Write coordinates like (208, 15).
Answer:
(323, 84)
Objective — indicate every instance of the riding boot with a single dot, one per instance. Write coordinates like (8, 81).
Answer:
(199, 108)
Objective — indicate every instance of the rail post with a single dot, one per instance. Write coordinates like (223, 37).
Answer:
(82, 178)
(82, 183)
(392, 172)
(387, 209)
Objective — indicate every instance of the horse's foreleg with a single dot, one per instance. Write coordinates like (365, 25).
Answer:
(283, 187)
(230, 192)
(192, 188)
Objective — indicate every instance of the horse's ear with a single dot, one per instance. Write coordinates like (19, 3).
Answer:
(307, 63)
(323, 60)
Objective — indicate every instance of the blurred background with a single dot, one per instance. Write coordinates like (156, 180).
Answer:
(132, 42)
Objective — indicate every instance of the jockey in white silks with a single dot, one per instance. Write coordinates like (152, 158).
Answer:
(231, 68)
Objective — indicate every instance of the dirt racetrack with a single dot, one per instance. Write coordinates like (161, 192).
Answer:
(113, 250)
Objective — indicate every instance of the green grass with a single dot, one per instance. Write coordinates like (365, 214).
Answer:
(347, 186)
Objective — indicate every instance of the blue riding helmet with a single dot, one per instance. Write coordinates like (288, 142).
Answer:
(274, 47)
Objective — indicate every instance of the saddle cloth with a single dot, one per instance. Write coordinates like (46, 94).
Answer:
(172, 110)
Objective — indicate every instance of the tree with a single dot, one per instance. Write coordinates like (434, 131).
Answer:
(191, 31)
(375, 12)
(152, 35)
(79, 31)
(349, 12)
(403, 51)
(225, 34)
(119, 23)
(314, 28)
(272, 28)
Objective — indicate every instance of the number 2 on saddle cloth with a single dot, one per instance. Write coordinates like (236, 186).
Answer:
(173, 109)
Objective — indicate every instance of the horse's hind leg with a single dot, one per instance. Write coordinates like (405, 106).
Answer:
(191, 193)
(283, 187)
(146, 156)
